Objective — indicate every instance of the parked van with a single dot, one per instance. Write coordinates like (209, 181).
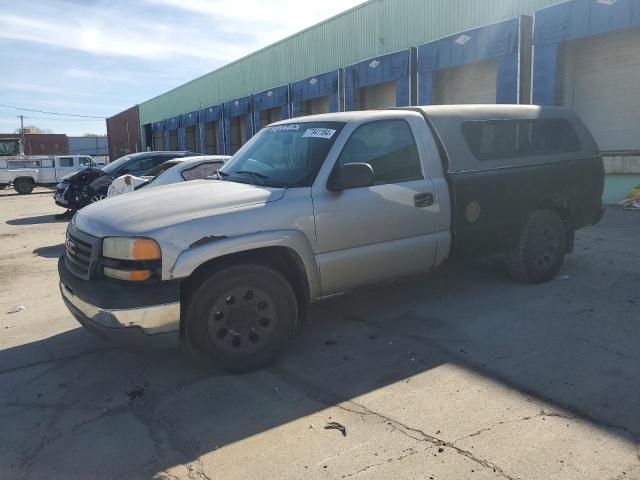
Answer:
(24, 173)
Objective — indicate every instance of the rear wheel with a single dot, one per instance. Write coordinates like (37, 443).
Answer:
(541, 248)
(240, 317)
(23, 186)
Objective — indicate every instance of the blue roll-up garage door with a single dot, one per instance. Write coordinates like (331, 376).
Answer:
(270, 106)
(188, 138)
(483, 65)
(158, 136)
(171, 127)
(587, 58)
(238, 124)
(318, 94)
(211, 128)
(380, 82)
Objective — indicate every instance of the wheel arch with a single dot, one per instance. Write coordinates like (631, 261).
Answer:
(289, 252)
(24, 177)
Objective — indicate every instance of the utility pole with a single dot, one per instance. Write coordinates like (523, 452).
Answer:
(22, 131)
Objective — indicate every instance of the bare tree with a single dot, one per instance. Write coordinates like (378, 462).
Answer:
(31, 129)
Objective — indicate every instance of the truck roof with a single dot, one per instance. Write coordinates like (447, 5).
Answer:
(448, 122)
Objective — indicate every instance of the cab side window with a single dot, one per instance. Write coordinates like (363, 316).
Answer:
(389, 147)
(66, 162)
(85, 162)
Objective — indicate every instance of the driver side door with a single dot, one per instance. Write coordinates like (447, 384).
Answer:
(370, 234)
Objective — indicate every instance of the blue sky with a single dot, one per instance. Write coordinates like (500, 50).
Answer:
(98, 57)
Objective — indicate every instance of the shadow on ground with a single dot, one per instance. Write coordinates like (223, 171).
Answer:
(52, 251)
(9, 192)
(37, 220)
(573, 343)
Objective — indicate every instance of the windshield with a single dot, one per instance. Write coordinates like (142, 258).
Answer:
(116, 164)
(287, 155)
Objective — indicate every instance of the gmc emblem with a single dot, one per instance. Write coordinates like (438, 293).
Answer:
(70, 247)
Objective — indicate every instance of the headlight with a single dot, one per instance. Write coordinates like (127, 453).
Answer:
(120, 248)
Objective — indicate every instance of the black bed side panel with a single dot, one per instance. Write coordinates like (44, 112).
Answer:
(491, 206)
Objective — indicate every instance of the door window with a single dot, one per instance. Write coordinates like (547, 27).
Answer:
(66, 162)
(389, 147)
(203, 170)
(140, 165)
(85, 162)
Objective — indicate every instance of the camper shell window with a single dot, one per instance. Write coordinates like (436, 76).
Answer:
(504, 139)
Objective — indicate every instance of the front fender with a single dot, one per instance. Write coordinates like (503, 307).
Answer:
(212, 248)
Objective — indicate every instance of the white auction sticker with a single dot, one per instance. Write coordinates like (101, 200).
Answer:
(286, 128)
(319, 133)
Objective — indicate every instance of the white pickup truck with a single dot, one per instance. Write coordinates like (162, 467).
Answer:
(318, 205)
(25, 172)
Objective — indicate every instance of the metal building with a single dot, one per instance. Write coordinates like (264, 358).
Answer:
(317, 94)
(488, 64)
(123, 132)
(583, 54)
(270, 106)
(238, 123)
(188, 132)
(381, 82)
(369, 31)
(587, 58)
(211, 131)
(97, 147)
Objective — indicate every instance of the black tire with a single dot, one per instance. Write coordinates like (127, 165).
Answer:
(240, 317)
(541, 248)
(24, 186)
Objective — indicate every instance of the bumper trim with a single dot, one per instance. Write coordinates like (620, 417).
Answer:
(152, 320)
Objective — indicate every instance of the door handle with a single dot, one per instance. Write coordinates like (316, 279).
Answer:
(422, 200)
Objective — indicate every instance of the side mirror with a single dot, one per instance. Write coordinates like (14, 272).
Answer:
(351, 175)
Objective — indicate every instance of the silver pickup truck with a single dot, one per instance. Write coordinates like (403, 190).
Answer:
(318, 205)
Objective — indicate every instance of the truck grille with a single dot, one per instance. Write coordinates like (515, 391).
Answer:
(80, 252)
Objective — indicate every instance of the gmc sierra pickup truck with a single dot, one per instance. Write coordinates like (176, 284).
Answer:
(323, 204)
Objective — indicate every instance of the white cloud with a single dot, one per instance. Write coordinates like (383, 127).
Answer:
(217, 31)
(126, 39)
(287, 16)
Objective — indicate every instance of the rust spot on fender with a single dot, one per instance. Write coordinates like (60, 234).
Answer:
(207, 239)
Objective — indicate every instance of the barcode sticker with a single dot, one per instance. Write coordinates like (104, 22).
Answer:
(319, 133)
(285, 128)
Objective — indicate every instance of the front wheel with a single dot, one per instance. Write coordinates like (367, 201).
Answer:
(541, 248)
(23, 186)
(240, 317)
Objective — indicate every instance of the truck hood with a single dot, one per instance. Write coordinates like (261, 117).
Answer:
(148, 210)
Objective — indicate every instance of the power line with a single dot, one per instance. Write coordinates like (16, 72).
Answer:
(65, 119)
(52, 113)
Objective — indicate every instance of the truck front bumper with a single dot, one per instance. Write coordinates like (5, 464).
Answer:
(127, 316)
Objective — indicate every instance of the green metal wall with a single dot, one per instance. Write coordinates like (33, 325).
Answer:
(372, 29)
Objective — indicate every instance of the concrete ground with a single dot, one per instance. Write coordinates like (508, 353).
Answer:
(459, 375)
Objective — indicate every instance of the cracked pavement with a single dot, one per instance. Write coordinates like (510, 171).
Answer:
(458, 375)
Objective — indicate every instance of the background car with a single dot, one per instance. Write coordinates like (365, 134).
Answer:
(91, 184)
(172, 171)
